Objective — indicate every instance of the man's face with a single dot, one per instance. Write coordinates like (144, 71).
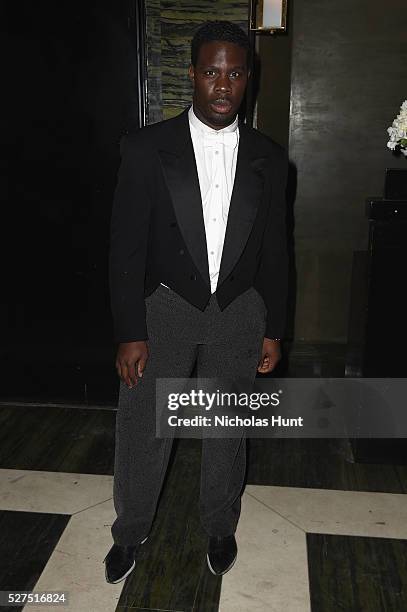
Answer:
(219, 80)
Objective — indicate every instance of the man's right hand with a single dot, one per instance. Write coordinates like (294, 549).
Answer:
(131, 360)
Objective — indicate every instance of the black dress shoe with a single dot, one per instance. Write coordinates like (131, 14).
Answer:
(222, 553)
(120, 561)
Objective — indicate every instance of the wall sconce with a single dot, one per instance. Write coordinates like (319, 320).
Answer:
(268, 15)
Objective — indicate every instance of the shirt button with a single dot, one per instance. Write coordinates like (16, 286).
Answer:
(216, 152)
(212, 252)
(217, 185)
(214, 219)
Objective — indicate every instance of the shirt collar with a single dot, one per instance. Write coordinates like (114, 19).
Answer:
(202, 128)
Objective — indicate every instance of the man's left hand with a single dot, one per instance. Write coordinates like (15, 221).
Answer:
(270, 356)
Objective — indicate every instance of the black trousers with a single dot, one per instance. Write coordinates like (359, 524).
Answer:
(223, 344)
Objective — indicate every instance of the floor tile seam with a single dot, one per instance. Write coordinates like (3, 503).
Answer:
(92, 506)
(292, 523)
(46, 510)
(73, 474)
(317, 490)
(328, 531)
(346, 534)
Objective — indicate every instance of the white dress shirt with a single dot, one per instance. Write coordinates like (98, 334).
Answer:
(216, 158)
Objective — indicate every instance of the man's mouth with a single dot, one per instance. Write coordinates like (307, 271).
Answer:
(222, 105)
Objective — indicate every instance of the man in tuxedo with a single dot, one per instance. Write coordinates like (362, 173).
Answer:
(198, 274)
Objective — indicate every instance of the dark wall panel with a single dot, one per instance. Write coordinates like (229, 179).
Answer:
(71, 85)
(349, 78)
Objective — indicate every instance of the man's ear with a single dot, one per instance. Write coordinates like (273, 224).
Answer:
(191, 72)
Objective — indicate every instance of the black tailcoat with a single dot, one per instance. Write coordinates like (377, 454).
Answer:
(158, 232)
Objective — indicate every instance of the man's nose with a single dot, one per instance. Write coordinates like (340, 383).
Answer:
(223, 83)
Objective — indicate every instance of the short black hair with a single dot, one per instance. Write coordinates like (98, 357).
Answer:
(219, 30)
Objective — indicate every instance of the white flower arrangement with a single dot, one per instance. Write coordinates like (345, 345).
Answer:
(398, 131)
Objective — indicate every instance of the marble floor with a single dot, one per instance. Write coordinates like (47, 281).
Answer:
(301, 548)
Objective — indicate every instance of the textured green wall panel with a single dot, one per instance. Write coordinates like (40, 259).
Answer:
(170, 27)
(153, 43)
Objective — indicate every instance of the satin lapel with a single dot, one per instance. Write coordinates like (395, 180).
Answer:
(178, 162)
(246, 196)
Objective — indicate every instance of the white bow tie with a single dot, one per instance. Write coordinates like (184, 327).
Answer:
(226, 138)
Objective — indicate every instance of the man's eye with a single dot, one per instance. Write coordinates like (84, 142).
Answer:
(235, 74)
(210, 72)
